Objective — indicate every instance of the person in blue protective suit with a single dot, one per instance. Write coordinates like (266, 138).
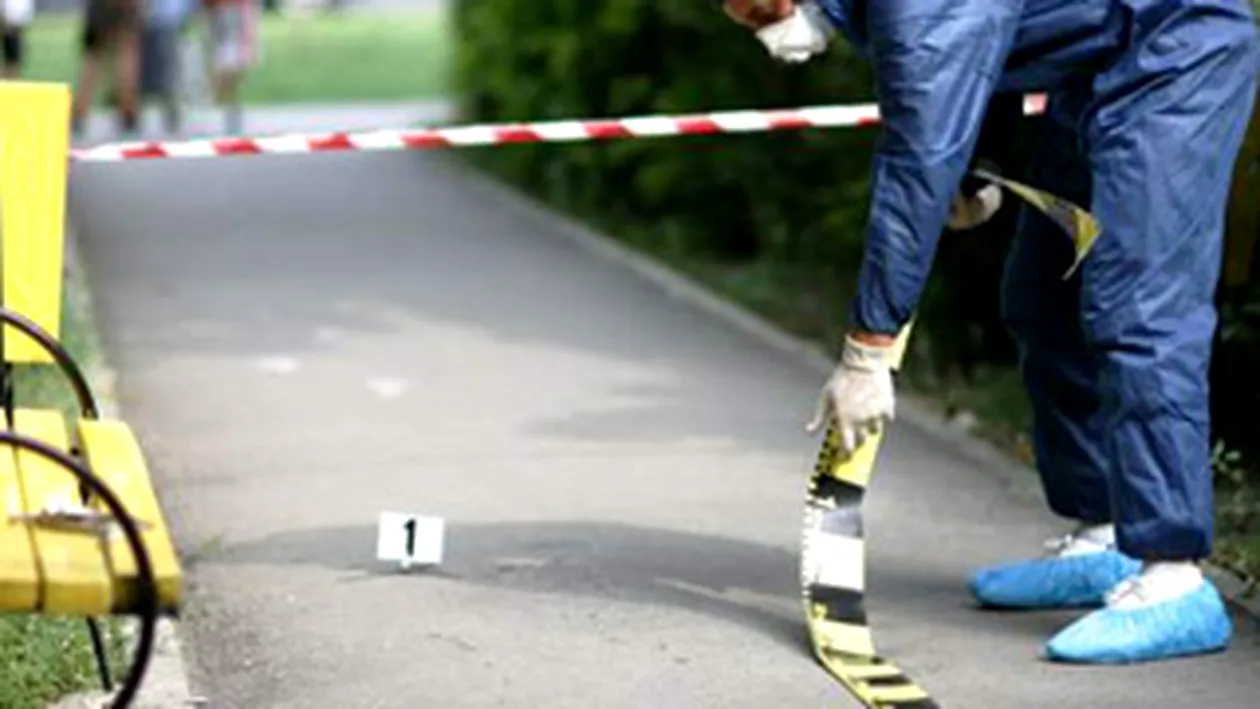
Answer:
(1148, 104)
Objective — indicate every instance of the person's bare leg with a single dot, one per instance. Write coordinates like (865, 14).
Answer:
(233, 30)
(85, 90)
(227, 96)
(126, 73)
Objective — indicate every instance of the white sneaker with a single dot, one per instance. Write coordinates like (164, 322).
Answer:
(1159, 582)
(1086, 539)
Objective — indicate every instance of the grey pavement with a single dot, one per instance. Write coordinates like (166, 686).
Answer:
(306, 341)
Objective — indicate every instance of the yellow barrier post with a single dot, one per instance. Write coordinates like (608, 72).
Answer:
(34, 158)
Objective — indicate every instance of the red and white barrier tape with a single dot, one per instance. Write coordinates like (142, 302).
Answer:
(505, 133)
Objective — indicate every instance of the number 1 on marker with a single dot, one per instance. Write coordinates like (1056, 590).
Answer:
(409, 540)
(410, 526)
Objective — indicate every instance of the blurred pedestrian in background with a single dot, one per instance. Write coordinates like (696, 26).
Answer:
(15, 15)
(233, 26)
(162, 70)
(111, 31)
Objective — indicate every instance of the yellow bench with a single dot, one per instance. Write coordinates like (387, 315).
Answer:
(81, 530)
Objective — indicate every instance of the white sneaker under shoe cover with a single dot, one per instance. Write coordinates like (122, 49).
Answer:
(1078, 571)
(1167, 610)
(1085, 540)
(1158, 582)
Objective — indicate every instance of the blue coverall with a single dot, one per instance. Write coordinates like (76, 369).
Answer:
(1149, 101)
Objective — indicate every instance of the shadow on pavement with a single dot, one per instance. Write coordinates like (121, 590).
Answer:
(733, 580)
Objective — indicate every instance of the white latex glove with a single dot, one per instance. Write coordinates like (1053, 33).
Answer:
(970, 212)
(859, 396)
(799, 36)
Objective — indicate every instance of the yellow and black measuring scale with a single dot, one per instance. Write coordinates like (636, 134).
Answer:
(833, 550)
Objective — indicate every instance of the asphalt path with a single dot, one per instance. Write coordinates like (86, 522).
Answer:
(306, 341)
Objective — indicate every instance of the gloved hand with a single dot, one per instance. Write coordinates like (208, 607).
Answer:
(859, 395)
(791, 31)
(973, 207)
(970, 211)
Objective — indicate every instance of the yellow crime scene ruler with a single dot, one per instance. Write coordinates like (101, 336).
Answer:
(833, 549)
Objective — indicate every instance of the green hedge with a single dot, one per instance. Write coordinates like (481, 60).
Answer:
(719, 196)
(776, 220)
(794, 197)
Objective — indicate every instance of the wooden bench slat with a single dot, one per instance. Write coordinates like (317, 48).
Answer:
(34, 145)
(19, 575)
(76, 577)
(111, 449)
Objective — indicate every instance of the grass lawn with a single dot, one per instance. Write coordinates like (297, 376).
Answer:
(354, 56)
(42, 659)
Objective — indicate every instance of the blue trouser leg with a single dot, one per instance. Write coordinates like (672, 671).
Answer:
(1162, 145)
(1043, 313)
(1062, 377)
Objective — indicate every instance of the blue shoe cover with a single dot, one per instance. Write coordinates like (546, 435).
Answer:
(1193, 624)
(1076, 581)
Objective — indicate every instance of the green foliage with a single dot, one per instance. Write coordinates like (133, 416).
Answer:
(776, 220)
(717, 196)
(390, 55)
(43, 659)
(1237, 514)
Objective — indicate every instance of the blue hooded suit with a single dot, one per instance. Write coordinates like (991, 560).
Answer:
(1149, 101)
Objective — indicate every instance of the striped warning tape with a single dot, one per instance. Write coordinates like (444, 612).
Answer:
(833, 547)
(838, 116)
(833, 576)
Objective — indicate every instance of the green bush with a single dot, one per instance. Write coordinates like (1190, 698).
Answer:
(722, 197)
(776, 219)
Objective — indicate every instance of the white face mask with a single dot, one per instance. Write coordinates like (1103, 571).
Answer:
(798, 36)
